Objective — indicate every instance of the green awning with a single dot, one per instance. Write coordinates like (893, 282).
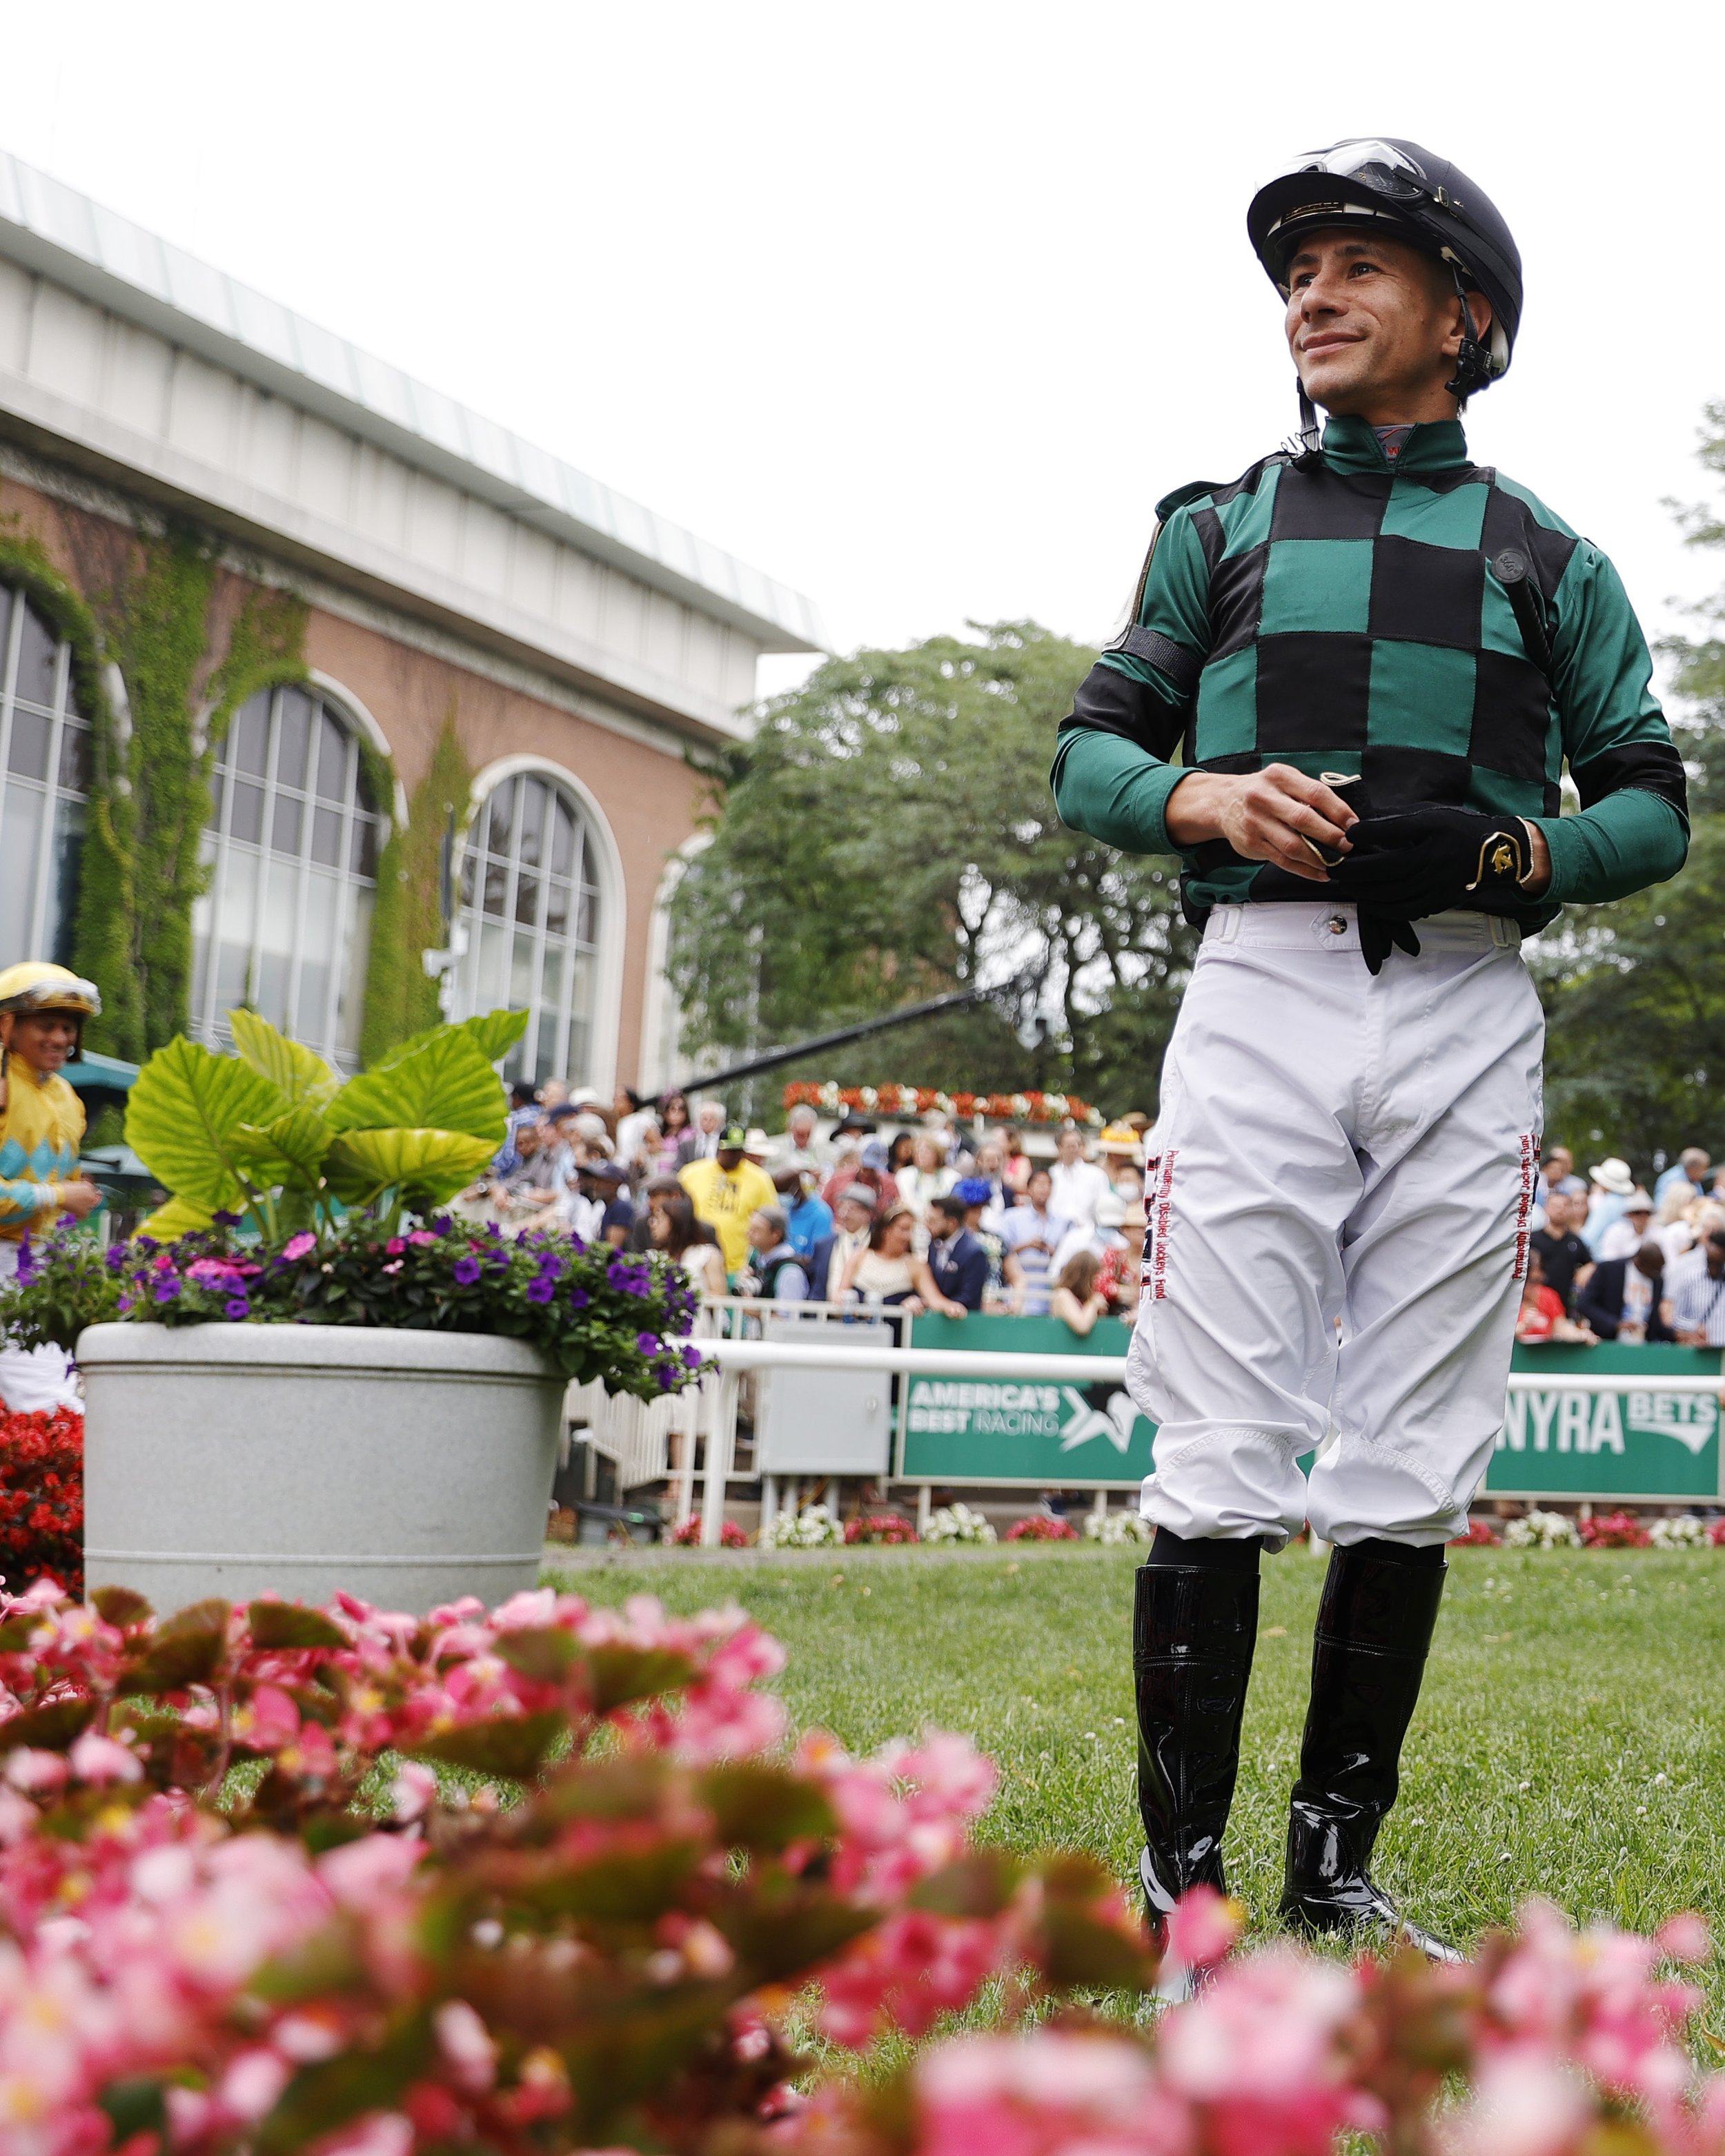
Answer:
(92, 1069)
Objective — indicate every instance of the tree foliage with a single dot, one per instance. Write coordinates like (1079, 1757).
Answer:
(1635, 993)
(890, 834)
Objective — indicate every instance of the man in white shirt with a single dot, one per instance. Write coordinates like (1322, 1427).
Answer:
(1079, 1185)
(1696, 1288)
(1032, 1233)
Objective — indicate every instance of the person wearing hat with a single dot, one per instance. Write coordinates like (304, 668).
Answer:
(853, 1216)
(42, 1008)
(1349, 684)
(1610, 1184)
(600, 1211)
(1629, 1231)
(807, 1217)
(725, 1190)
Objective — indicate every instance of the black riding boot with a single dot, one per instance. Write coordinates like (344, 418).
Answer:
(1193, 1631)
(1374, 1627)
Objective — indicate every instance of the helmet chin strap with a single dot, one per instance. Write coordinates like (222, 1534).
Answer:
(1473, 362)
(1307, 447)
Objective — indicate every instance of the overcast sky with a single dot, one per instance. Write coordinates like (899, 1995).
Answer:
(918, 307)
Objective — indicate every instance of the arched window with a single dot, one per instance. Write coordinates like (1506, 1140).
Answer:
(44, 777)
(530, 906)
(292, 843)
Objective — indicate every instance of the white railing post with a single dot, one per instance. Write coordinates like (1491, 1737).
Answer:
(925, 1509)
(721, 1442)
(769, 1500)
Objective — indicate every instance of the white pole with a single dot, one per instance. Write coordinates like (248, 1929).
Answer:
(720, 1441)
(769, 1500)
(925, 1508)
(1099, 1505)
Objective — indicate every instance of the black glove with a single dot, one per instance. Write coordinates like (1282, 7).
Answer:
(1379, 933)
(1425, 860)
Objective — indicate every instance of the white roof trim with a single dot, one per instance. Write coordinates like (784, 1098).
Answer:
(50, 229)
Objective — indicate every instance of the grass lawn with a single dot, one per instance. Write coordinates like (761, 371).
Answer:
(1570, 1740)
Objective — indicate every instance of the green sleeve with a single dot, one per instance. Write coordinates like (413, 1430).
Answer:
(1634, 827)
(1116, 792)
(1112, 769)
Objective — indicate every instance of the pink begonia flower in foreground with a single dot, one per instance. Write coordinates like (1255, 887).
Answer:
(1520, 2107)
(1202, 1926)
(1045, 2096)
(383, 2133)
(466, 2046)
(413, 1790)
(298, 1246)
(99, 1759)
(1684, 1937)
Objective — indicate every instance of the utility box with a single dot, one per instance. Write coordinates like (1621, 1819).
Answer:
(825, 1422)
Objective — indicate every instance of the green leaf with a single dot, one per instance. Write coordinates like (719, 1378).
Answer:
(541, 1654)
(513, 1745)
(432, 1163)
(323, 2097)
(304, 1079)
(445, 1084)
(49, 1728)
(120, 1606)
(494, 1033)
(762, 1807)
(279, 1625)
(288, 1151)
(186, 1651)
(136, 2106)
(622, 1674)
(178, 1217)
(183, 1109)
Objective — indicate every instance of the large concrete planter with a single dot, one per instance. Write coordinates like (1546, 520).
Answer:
(407, 1467)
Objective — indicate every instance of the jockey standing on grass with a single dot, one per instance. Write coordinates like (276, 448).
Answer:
(1373, 659)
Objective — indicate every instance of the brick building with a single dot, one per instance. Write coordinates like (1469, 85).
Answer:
(306, 670)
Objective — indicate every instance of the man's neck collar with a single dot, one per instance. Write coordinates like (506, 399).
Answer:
(1352, 444)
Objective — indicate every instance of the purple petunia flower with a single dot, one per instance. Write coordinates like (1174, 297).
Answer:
(464, 1271)
(26, 1260)
(691, 1359)
(124, 1302)
(224, 1219)
(168, 1287)
(440, 1223)
(116, 1259)
(664, 1376)
(238, 1306)
(542, 1289)
(579, 1298)
(648, 1342)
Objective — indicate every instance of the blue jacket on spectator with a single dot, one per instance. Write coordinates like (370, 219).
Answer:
(960, 1266)
(807, 1223)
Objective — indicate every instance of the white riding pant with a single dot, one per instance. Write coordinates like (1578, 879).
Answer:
(1338, 1219)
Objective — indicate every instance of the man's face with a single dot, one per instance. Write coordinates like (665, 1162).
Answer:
(729, 1158)
(943, 1226)
(1716, 1254)
(528, 1139)
(760, 1235)
(1071, 1147)
(1696, 1163)
(1560, 1164)
(1373, 324)
(712, 1117)
(1560, 1210)
(852, 1218)
(1649, 1259)
(988, 1158)
(44, 1039)
(1038, 1189)
(802, 1126)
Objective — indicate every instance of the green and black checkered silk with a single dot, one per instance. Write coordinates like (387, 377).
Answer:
(1341, 614)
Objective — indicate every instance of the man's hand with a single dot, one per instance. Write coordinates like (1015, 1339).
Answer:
(80, 1197)
(1267, 815)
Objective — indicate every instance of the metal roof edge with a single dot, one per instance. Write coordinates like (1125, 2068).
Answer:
(58, 233)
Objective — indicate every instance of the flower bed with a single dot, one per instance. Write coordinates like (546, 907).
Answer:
(958, 1523)
(816, 1527)
(589, 1937)
(688, 1535)
(42, 1499)
(1617, 1530)
(879, 1528)
(1041, 1527)
(1115, 1527)
(1479, 1536)
(908, 1101)
(592, 1311)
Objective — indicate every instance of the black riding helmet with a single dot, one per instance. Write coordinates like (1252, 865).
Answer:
(1432, 202)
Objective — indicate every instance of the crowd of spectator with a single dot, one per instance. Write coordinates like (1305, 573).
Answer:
(1609, 1260)
(938, 1218)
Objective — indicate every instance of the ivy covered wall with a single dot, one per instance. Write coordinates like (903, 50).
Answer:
(159, 627)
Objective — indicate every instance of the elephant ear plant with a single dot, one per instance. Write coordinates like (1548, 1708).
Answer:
(272, 1135)
(293, 1196)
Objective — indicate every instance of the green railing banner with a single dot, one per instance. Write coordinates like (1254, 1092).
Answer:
(1008, 1430)
(1637, 1442)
